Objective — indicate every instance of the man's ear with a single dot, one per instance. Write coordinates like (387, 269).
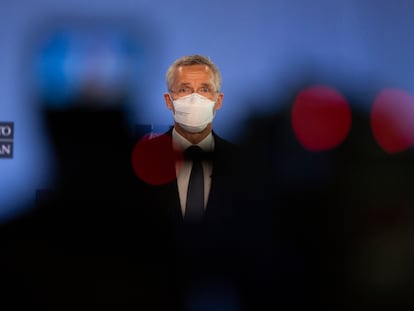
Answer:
(168, 101)
(219, 101)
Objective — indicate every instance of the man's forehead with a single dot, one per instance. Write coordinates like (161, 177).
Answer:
(195, 67)
(194, 73)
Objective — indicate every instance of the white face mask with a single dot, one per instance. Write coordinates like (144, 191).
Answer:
(193, 112)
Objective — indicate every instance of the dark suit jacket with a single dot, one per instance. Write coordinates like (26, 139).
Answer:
(163, 192)
(212, 249)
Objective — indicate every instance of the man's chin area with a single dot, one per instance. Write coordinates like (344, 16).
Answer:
(192, 132)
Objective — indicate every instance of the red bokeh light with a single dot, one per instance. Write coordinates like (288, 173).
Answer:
(153, 159)
(321, 118)
(392, 120)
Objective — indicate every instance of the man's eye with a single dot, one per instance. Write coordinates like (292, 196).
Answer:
(185, 90)
(204, 90)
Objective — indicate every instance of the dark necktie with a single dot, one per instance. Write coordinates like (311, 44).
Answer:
(195, 194)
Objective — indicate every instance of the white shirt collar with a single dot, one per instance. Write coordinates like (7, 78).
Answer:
(207, 144)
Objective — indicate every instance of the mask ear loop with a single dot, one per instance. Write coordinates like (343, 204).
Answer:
(172, 103)
(215, 103)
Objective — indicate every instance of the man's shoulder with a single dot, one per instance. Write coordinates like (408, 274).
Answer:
(221, 140)
(224, 144)
(226, 152)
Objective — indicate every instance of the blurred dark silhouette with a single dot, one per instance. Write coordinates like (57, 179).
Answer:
(341, 219)
(292, 191)
(89, 241)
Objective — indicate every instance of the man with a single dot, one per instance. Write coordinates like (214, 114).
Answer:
(204, 238)
(194, 96)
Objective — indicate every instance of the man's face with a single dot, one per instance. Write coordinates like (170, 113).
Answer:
(196, 78)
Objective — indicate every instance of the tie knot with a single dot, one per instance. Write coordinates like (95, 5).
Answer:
(193, 152)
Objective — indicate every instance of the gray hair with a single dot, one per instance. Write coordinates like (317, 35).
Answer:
(191, 60)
